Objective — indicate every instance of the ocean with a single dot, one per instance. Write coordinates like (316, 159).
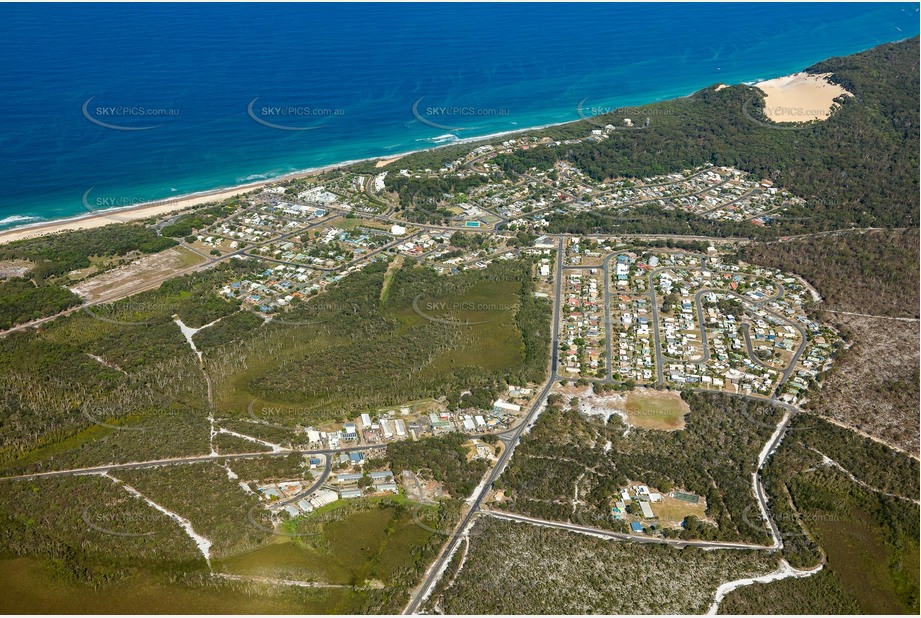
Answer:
(113, 105)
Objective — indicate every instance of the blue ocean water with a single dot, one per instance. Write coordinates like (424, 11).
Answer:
(221, 93)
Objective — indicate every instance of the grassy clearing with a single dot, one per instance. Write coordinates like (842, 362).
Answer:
(491, 340)
(651, 409)
(360, 545)
(671, 512)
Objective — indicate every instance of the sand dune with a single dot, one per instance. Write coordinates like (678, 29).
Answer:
(801, 97)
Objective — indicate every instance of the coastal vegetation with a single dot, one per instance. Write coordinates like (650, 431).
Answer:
(855, 169)
(514, 568)
(568, 453)
(440, 458)
(850, 503)
(355, 351)
(873, 384)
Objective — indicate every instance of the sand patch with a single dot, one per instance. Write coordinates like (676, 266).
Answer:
(14, 268)
(388, 161)
(801, 97)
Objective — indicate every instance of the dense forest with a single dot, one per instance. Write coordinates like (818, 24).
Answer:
(441, 458)
(858, 168)
(73, 385)
(848, 502)
(23, 300)
(424, 198)
(873, 385)
(714, 456)
(42, 291)
(513, 568)
(352, 350)
(57, 254)
(874, 271)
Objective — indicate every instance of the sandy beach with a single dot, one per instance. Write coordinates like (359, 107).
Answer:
(801, 97)
(165, 206)
(150, 209)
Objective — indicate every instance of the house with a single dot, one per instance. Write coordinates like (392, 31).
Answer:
(348, 432)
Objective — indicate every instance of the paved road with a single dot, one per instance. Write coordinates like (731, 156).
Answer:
(327, 468)
(660, 358)
(621, 536)
(608, 334)
(434, 571)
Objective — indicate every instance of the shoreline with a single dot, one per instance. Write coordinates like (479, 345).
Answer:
(153, 208)
(179, 203)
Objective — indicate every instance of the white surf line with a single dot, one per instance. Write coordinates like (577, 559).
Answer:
(275, 447)
(868, 315)
(783, 572)
(203, 544)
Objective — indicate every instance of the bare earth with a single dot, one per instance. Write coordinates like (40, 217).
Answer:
(141, 274)
(801, 97)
